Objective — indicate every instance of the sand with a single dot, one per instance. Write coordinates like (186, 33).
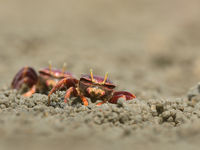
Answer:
(149, 48)
(158, 123)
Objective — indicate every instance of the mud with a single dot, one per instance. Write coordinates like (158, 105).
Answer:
(150, 48)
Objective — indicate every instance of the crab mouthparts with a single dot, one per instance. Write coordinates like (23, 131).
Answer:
(95, 91)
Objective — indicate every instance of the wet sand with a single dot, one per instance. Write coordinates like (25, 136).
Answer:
(149, 48)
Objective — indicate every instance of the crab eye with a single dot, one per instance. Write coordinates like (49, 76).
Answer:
(44, 74)
(109, 86)
(85, 80)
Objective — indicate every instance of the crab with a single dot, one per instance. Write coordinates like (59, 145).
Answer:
(93, 87)
(28, 82)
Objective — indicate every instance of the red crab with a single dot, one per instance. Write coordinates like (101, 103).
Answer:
(94, 87)
(28, 82)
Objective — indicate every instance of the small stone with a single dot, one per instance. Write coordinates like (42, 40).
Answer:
(40, 108)
(194, 91)
(121, 102)
(158, 120)
(4, 100)
(13, 105)
(170, 119)
(180, 118)
(123, 118)
(166, 115)
(159, 108)
(97, 120)
(31, 104)
(2, 106)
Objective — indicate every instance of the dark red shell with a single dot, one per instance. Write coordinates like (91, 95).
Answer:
(57, 73)
(97, 80)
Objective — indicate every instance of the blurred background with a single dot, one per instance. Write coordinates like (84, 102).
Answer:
(150, 48)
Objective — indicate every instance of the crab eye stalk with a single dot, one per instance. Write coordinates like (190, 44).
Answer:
(50, 66)
(91, 74)
(105, 78)
(64, 68)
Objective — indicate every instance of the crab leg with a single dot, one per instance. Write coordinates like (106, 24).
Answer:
(30, 92)
(69, 93)
(68, 82)
(84, 100)
(101, 103)
(75, 92)
(121, 94)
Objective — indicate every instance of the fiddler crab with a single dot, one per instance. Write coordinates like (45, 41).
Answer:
(29, 82)
(93, 87)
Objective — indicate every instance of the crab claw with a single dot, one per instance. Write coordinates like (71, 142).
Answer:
(121, 94)
(28, 76)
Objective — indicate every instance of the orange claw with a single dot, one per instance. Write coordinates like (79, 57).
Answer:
(30, 92)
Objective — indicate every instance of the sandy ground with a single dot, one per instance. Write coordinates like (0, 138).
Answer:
(150, 48)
